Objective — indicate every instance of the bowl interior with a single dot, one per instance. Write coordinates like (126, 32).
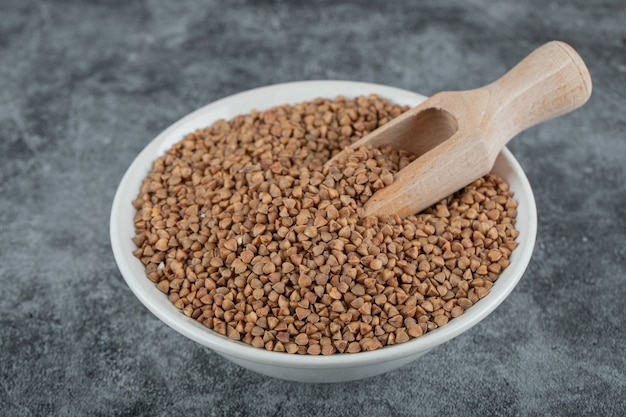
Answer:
(122, 229)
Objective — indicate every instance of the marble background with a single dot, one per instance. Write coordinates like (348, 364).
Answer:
(84, 86)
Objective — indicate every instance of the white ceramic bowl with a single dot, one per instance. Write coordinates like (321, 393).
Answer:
(305, 368)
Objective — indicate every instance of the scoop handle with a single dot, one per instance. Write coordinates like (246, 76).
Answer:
(551, 81)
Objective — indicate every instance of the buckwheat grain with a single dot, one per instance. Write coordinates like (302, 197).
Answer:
(247, 231)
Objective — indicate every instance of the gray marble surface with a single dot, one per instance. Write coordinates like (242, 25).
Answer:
(84, 86)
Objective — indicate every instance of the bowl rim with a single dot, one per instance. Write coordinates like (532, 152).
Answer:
(291, 93)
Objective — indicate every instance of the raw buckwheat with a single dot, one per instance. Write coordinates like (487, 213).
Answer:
(247, 231)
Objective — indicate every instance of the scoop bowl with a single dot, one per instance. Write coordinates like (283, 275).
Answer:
(305, 368)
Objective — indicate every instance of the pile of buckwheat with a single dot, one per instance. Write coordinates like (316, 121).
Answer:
(247, 231)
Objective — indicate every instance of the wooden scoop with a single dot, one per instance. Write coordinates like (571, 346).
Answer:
(458, 134)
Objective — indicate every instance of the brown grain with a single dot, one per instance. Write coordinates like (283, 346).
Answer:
(247, 231)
